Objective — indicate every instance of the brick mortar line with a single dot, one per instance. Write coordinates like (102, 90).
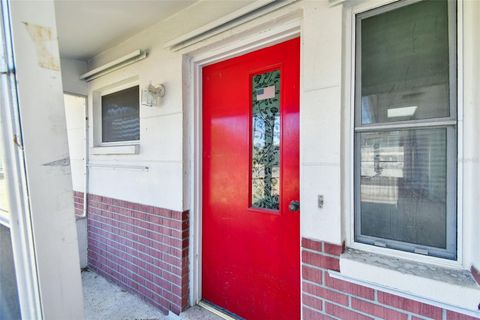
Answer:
(313, 309)
(409, 313)
(374, 302)
(136, 290)
(310, 295)
(154, 258)
(351, 309)
(149, 281)
(321, 253)
(314, 267)
(95, 203)
(311, 282)
(142, 252)
(146, 262)
(138, 219)
(140, 243)
(156, 241)
(181, 229)
(138, 235)
(136, 242)
(128, 224)
(146, 280)
(324, 312)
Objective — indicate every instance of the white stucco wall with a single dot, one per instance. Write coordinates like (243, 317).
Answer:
(324, 116)
(161, 128)
(71, 69)
(470, 117)
(75, 118)
(321, 122)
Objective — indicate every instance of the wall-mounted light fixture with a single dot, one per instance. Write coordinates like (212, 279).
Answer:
(152, 95)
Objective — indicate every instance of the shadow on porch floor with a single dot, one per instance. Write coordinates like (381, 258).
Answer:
(105, 300)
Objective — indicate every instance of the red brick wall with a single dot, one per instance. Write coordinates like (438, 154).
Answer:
(78, 202)
(327, 298)
(141, 248)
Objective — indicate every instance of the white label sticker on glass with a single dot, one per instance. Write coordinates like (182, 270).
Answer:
(265, 93)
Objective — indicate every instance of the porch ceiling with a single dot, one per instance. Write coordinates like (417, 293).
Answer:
(88, 27)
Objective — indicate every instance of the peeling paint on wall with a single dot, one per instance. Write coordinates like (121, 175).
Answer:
(45, 46)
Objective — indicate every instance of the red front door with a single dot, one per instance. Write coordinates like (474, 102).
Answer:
(250, 238)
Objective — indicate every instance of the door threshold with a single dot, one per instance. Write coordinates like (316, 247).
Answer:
(219, 311)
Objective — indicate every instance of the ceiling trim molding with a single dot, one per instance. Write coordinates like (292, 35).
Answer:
(236, 18)
(116, 64)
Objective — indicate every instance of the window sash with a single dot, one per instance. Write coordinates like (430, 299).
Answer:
(452, 36)
(451, 204)
(450, 123)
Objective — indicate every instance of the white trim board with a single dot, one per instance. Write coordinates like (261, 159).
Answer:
(230, 21)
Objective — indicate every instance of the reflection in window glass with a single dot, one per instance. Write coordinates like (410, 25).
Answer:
(403, 177)
(121, 116)
(266, 140)
(405, 64)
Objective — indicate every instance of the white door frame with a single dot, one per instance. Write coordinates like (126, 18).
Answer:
(221, 50)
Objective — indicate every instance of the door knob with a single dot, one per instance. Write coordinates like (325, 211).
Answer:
(294, 206)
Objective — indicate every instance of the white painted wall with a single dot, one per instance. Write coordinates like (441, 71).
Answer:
(75, 120)
(471, 133)
(75, 112)
(71, 71)
(324, 117)
(161, 128)
(321, 122)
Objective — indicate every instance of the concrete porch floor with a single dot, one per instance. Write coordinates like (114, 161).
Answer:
(105, 300)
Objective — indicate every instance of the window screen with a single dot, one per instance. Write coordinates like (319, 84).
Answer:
(121, 116)
(405, 127)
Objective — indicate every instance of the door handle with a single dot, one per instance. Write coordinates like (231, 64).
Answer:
(294, 206)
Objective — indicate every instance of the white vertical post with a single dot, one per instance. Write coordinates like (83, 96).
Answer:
(45, 150)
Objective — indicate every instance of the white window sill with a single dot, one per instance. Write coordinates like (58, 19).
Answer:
(116, 150)
(423, 282)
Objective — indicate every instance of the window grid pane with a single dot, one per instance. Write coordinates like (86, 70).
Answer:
(403, 185)
(405, 64)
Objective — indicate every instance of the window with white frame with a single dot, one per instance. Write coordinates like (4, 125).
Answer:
(406, 127)
(121, 116)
